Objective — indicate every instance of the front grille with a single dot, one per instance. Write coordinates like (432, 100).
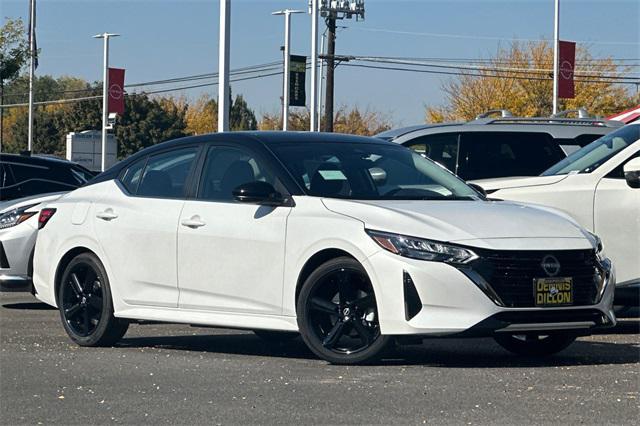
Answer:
(511, 274)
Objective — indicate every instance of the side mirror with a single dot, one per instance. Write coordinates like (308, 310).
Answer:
(258, 192)
(632, 172)
(478, 189)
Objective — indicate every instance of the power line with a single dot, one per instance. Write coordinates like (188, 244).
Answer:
(461, 73)
(538, 71)
(143, 93)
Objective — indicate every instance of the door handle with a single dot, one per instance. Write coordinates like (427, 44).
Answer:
(107, 215)
(193, 223)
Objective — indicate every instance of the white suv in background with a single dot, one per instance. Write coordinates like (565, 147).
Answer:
(599, 186)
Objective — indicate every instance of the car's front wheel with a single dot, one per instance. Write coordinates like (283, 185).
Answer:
(338, 315)
(535, 344)
(85, 304)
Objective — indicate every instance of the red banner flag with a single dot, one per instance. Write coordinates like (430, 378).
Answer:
(116, 90)
(567, 60)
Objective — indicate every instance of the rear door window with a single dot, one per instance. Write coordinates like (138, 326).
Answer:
(165, 174)
(441, 148)
(499, 154)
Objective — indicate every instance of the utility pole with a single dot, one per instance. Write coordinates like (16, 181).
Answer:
(331, 67)
(322, 52)
(556, 59)
(105, 96)
(223, 66)
(32, 68)
(287, 59)
(331, 11)
(313, 126)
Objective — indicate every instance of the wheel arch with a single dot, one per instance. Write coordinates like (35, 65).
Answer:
(315, 261)
(62, 265)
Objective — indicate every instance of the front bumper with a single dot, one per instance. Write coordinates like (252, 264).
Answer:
(16, 251)
(450, 303)
(15, 283)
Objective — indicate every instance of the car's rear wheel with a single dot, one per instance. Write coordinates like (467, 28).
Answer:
(532, 344)
(85, 304)
(338, 315)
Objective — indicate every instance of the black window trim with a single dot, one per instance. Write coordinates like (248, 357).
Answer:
(187, 183)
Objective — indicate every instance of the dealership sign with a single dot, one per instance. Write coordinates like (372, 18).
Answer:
(297, 70)
(567, 61)
(116, 90)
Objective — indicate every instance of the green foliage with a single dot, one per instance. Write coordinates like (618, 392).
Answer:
(241, 117)
(14, 49)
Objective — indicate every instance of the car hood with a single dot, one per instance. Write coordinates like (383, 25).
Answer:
(33, 199)
(459, 220)
(517, 182)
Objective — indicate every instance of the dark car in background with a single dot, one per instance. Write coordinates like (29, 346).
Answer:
(491, 147)
(26, 175)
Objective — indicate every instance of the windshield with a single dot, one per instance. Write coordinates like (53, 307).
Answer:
(363, 171)
(595, 154)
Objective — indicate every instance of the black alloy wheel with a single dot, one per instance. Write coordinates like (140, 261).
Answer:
(337, 313)
(533, 344)
(85, 304)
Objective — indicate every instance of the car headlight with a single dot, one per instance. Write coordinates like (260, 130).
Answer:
(15, 216)
(419, 248)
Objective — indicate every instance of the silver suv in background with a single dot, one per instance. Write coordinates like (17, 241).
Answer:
(492, 147)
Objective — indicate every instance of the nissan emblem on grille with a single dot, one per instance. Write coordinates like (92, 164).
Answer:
(550, 265)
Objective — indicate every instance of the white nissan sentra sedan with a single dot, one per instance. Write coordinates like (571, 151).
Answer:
(348, 241)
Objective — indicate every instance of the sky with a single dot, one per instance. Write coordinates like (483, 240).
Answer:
(163, 39)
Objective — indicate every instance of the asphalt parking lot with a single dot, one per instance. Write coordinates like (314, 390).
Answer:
(182, 375)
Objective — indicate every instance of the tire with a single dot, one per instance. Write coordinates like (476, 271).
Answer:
(337, 314)
(535, 344)
(276, 337)
(85, 303)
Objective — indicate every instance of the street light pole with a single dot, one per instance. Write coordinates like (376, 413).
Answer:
(314, 65)
(32, 69)
(105, 96)
(287, 60)
(556, 59)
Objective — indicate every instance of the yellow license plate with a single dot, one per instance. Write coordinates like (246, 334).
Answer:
(553, 291)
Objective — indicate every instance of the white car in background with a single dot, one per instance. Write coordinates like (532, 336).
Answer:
(599, 186)
(18, 231)
(349, 241)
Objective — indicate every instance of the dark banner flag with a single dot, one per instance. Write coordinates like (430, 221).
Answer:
(297, 70)
(116, 90)
(566, 61)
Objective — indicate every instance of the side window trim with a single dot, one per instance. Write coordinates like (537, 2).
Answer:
(212, 147)
(123, 173)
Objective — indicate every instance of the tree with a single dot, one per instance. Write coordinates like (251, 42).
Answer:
(469, 95)
(202, 116)
(241, 117)
(346, 120)
(14, 52)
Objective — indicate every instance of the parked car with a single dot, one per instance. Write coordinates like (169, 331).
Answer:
(348, 240)
(26, 184)
(598, 186)
(26, 175)
(491, 147)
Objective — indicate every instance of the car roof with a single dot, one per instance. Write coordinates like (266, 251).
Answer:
(38, 160)
(264, 138)
(558, 128)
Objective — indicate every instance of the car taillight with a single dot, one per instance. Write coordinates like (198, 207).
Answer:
(45, 215)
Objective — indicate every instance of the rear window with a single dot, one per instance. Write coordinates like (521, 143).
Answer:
(500, 154)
